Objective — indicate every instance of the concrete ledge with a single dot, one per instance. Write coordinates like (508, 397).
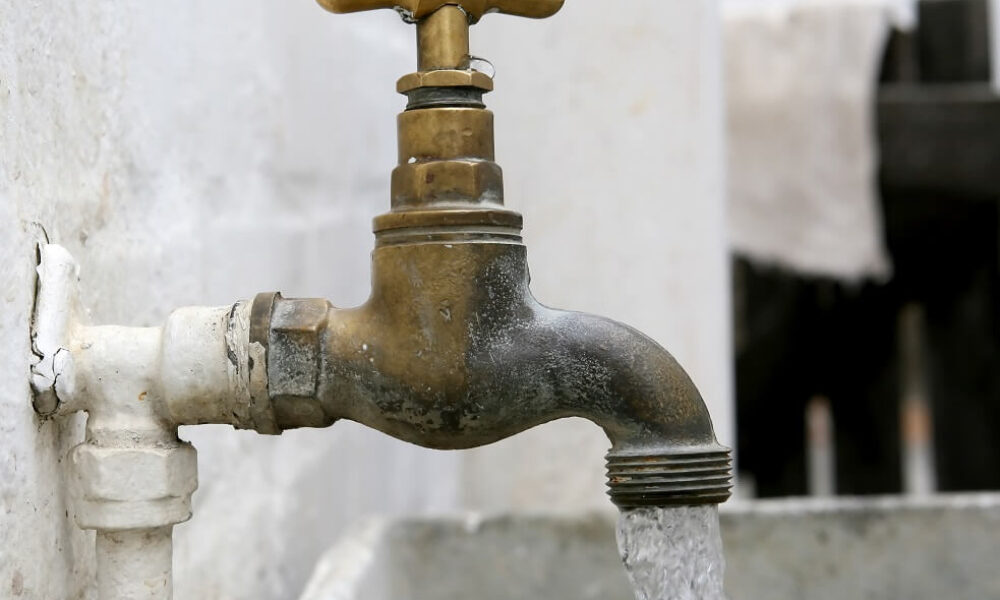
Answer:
(939, 547)
(852, 548)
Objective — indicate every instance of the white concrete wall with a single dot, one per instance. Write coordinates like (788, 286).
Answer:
(195, 153)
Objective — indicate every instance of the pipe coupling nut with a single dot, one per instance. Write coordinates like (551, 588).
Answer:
(129, 488)
(294, 360)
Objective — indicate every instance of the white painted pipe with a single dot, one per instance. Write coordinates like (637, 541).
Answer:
(132, 477)
(135, 564)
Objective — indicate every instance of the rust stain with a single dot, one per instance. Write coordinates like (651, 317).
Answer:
(142, 396)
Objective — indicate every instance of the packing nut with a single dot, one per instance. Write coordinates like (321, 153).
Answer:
(445, 180)
(444, 78)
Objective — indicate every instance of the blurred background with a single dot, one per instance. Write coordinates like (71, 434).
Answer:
(797, 199)
(875, 326)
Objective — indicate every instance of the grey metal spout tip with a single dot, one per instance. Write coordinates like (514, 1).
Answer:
(661, 477)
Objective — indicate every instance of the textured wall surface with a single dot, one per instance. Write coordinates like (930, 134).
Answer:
(196, 153)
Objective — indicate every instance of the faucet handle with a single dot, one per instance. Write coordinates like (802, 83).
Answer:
(418, 9)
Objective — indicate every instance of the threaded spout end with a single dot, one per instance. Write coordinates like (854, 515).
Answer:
(651, 478)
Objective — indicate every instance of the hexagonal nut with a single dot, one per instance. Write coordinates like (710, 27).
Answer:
(444, 78)
(293, 354)
(447, 180)
(135, 474)
(129, 488)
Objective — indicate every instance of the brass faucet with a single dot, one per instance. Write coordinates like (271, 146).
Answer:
(451, 350)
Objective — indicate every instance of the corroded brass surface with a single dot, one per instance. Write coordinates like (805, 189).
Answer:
(448, 217)
(445, 133)
(445, 161)
(417, 9)
(421, 185)
(447, 225)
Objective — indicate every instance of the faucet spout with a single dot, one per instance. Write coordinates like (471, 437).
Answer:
(452, 351)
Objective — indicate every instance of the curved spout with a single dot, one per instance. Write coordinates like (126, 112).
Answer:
(452, 351)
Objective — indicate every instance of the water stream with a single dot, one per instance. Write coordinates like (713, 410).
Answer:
(673, 553)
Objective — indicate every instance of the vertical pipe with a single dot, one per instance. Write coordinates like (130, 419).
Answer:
(820, 447)
(135, 564)
(919, 476)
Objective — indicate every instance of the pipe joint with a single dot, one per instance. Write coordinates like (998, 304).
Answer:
(138, 487)
(137, 385)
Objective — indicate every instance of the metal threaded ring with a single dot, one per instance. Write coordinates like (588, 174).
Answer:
(669, 479)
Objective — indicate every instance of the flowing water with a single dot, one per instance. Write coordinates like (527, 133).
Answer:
(673, 553)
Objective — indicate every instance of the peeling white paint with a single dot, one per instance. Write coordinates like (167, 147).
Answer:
(52, 375)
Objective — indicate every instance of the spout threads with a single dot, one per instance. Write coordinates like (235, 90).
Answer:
(652, 479)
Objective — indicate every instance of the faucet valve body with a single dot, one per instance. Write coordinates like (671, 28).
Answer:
(451, 350)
